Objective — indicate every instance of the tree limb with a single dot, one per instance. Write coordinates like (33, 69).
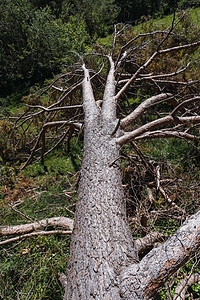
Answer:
(42, 134)
(109, 103)
(166, 134)
(17, 238)
(157, 123)
(149, 61)
(145, 278)
(151, 76)
(89, 104)
(184, 103)
(63, 222)
(141, 108)
(55, 108)
(146, 243)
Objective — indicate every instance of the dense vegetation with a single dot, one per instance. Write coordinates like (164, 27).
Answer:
(36, 40)
(36, 36)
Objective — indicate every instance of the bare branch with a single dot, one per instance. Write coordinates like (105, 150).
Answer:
(135, 75)
(63, 222)
(149, 61)
(151, 76)
(167, 198)
(17, 238)
(146, 243)
(184, 284)
(157, 123)
(184, 103)
(42, 133)
(89, 104)
(19, 212)
(142, 107)
(58, 143)
(109, 103)
(165, 134)
(182, 47)
(134, 39)
(55, 108)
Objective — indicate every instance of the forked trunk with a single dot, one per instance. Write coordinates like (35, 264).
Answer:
(103, 261)
(101, 243)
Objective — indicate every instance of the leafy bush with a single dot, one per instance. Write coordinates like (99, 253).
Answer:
(33, 43)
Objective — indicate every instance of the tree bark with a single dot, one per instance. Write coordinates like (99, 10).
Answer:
(101, 242)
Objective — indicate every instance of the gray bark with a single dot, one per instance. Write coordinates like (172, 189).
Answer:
(101, 242)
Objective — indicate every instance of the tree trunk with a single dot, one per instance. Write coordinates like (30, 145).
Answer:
(101, 242)
(103, 259)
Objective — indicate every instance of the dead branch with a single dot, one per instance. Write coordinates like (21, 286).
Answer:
(19, 212)
(166, 134)
(42, 136)
(56, 145)
(184, 103)
(157, 173)
(151, 76)
(184, 284)
(63, 222)
(142, 107)
(150, 195)
(109, 103)
(55, 108)
(149, 61)
(17, 238)
(169, 201)
(161, 262)
(146, 243)
(157, 123)
(134, 39)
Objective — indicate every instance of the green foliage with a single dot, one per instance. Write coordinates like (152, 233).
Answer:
(98, 15)
(193, 292)
(33, 43)
(132, 11)
(184, 4)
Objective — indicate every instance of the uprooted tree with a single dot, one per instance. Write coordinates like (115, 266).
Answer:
(104, 261)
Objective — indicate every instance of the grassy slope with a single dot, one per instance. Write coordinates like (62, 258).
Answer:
(28, 268)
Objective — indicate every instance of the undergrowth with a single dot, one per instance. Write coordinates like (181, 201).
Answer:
(29, 268)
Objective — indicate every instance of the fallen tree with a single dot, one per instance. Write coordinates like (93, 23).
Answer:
(104, 262)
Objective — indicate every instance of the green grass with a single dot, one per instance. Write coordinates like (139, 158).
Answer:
(154, 23)
(167, 20)
(29, 268)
